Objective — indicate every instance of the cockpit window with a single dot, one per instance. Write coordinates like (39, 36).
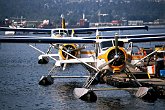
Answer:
(107, 44)
(59, 32)
(120, 43)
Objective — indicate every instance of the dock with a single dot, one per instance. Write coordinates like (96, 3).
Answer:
(123, 81)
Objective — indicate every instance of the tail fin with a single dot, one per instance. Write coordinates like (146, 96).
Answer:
(63, 22)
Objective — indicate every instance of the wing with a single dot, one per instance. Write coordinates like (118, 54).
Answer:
(86, 41)
(128, 36)
(92, 37)
(114, 28)
(47, 40)
(37, 39)
(76, 30)
(147, 39)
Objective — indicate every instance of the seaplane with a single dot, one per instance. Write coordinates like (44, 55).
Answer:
(109, 55)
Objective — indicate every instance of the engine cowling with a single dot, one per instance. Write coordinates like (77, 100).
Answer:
(118, 64)
(70, 48)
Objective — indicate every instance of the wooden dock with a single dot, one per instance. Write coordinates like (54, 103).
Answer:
(123, 81)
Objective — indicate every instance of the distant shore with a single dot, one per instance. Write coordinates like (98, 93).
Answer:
(150, 26)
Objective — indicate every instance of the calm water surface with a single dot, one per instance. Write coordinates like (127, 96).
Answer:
(19, 89)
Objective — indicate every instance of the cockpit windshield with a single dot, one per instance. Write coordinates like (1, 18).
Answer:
(59, 32)
(106, 44)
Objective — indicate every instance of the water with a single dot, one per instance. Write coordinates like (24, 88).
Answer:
(19, 89)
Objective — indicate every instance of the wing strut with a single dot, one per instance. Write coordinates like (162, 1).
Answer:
(42, 52)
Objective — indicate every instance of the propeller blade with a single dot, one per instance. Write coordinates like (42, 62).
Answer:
(104, 64)
(78, 49)
(64, 47)
(116, 43)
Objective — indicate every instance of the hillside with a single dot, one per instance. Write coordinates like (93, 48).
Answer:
(147, 10)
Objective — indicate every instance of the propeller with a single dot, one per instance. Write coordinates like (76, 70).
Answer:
(78, 49)
(71, 49)
(119, 56)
